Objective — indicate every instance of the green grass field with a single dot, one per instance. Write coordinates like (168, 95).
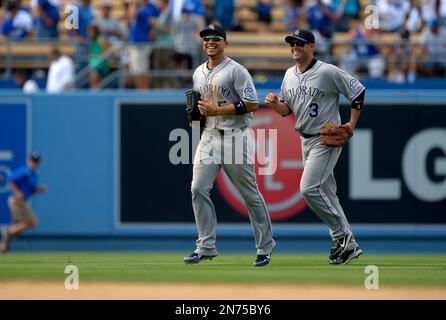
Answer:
(415, 270)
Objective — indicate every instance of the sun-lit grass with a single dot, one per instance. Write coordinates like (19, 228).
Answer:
(283, 269)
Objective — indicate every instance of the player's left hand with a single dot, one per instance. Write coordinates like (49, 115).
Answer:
(207, 108)
(43, 188)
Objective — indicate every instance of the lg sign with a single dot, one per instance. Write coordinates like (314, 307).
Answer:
(278, 182)
(418, 151)
(422, 163)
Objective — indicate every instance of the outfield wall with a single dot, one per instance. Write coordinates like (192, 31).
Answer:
(106, 163)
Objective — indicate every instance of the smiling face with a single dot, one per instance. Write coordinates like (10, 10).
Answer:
(214, 45)
(302, 51)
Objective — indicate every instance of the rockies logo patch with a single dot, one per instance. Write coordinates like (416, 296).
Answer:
(248, 93)
(354, 84)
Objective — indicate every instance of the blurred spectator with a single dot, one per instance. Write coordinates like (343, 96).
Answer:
(209, 11)
(294, 17)
(108, 25)
(195, 7)
(24, 81)
(164, 23)
(238, 25)
(186, 38)
(17, 23)
(264, 18)
(163, 54)
(2, 15)
(441, 12)
(434, 41)
(47, 17)
(421, 13)
(321, 20)
(392, 14)
(126, 4)
(349, 11)
(224, 13)
(86, 16)
(177, 7)
(142, 31)
(364, 56)
(414, 20)
(98, 63)
(401, 61)
(61, 73)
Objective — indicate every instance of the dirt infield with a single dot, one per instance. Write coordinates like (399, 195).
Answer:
(123, 291)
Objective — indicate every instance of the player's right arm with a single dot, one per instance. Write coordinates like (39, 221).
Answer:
(12, 183)
(18, 195)
(273, 101)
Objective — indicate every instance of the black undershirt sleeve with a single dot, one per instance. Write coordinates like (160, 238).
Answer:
(358, 101)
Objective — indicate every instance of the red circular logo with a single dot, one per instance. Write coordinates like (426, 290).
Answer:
(278, 167)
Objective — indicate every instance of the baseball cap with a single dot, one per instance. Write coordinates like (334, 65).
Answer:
(213, 29)
(35, 156)
(302, 35)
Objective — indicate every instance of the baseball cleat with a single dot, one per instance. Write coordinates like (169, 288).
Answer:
(347, 256)
(262, 260)
(196, 258)
(339, 246)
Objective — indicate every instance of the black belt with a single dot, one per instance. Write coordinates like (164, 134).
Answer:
(229, 131)
(306, 136)
(222, 132)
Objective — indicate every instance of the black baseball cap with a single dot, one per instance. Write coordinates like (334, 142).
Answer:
(302, 35)
(35, 156)
(213, 29)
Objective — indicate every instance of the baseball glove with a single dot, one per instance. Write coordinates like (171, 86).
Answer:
(192, 98)
(335, 135)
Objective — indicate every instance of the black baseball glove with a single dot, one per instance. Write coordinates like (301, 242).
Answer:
(192, 98)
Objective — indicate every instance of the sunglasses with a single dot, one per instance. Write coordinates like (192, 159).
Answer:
(213, 38)
(297, 43)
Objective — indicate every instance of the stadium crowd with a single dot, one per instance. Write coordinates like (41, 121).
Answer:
(163, 35)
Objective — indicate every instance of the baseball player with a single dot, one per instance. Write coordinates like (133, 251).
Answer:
(310, 90)
(228, 100)
(23, 183)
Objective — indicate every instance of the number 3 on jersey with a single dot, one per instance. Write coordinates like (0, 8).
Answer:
(314, 109)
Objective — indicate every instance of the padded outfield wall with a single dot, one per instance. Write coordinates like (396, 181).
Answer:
(106, 163)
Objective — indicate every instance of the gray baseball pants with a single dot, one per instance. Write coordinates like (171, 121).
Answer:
(211, 155)
(318, 185)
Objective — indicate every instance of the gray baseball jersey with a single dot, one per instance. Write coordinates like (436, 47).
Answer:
(313, 96)
(227, 83)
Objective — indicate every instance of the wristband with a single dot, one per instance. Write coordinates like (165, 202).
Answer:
(240, 107)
